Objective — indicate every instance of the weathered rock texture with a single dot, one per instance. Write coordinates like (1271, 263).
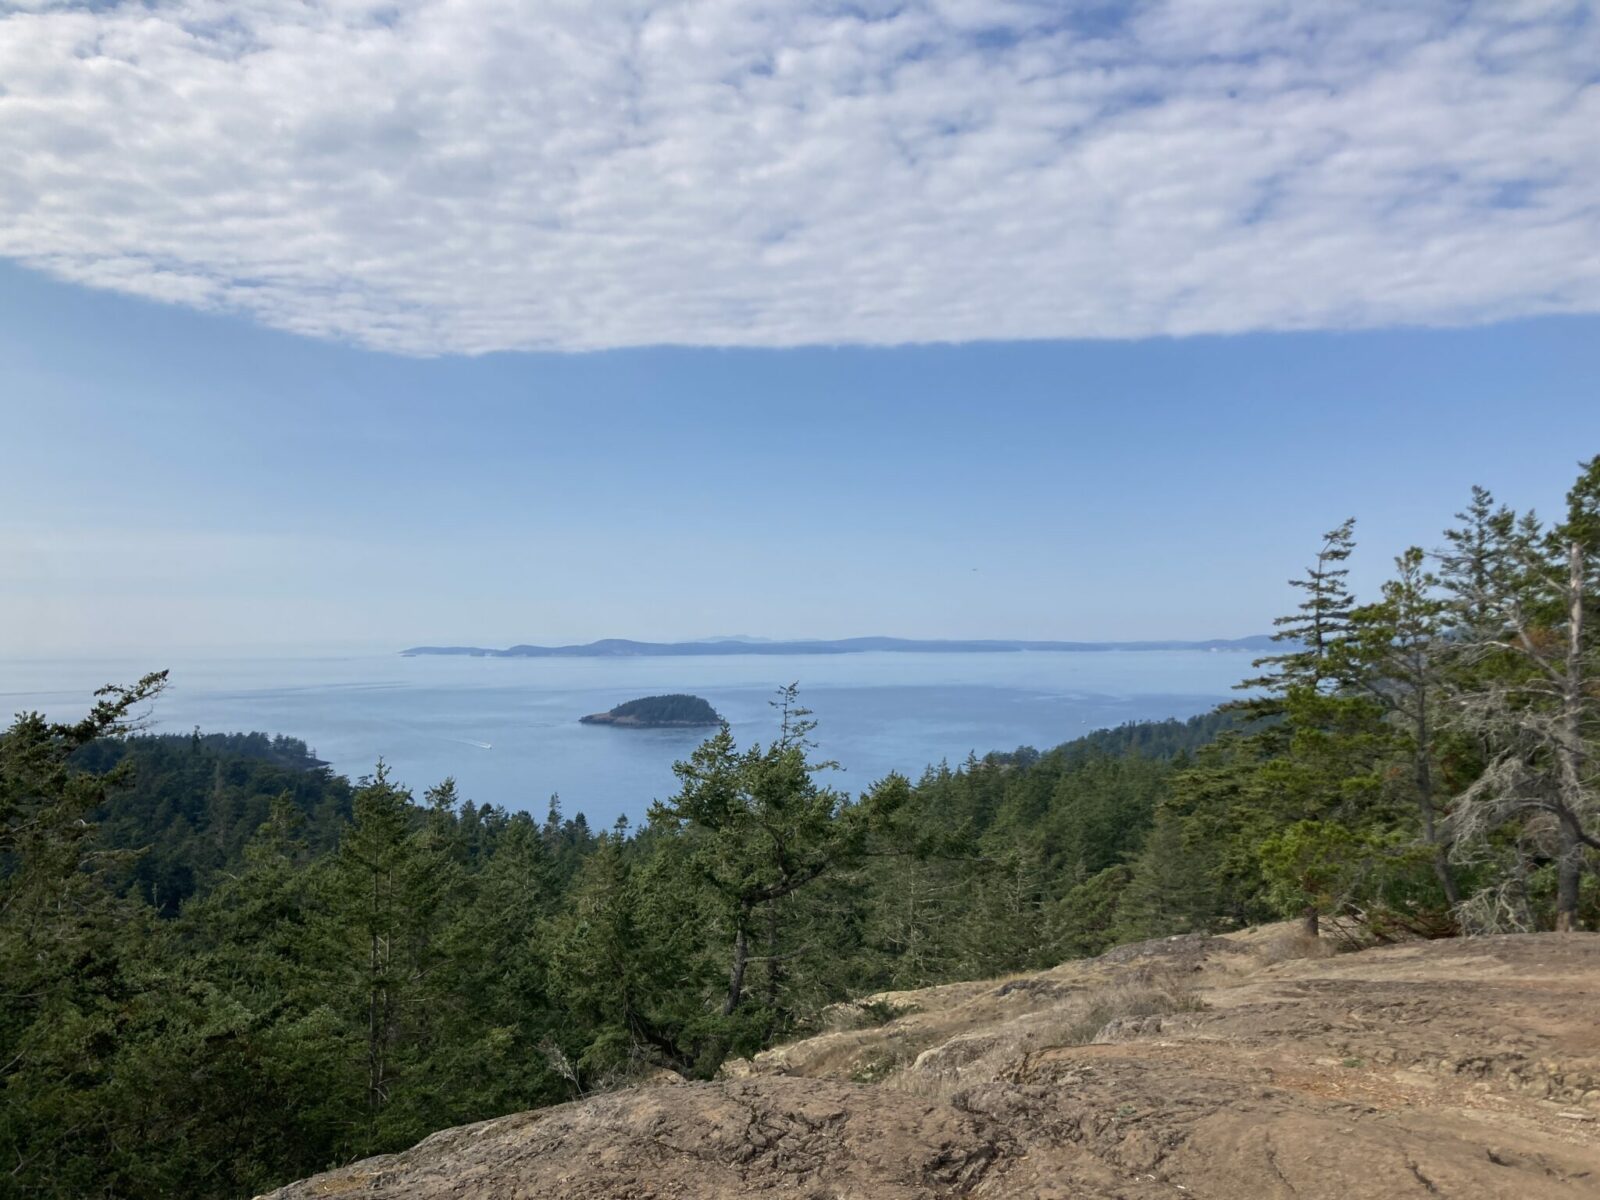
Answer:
(1201, 1068)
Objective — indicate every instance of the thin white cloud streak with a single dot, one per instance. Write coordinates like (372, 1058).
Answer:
(462, 176)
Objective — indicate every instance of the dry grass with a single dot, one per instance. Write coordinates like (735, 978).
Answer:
(1109, 1012)
(871, 1013)
(1290, 945)
(1126, 1002)
(963, 1029)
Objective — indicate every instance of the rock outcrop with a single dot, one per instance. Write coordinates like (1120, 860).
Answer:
(1223, 1068)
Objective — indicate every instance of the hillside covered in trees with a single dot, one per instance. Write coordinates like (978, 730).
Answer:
(227, 968)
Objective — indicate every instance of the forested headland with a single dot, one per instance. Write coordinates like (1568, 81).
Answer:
(226, 967)
(658, 712)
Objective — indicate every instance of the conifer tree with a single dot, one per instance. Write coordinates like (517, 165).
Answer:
(1395, 659)
(68, 946)
(1530, 696)
(389, 886)
(1316, 629)
(1312, 771)
(758, 829)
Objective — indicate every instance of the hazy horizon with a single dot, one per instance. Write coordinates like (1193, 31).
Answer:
(348, 498)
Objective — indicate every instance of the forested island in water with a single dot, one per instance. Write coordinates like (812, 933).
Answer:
(658, 712)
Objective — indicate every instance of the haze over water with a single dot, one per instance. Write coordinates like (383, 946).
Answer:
(507, 729)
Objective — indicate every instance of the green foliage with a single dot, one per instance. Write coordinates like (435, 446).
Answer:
(1157, 740)
(190, 802)
(758, 834)
(69, 954)
(1084, 921)
(1319, 626)
(1311, 864)
(674, 709)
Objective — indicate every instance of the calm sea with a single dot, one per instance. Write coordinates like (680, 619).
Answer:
(507, 729)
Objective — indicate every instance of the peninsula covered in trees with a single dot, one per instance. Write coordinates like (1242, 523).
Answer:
(658, 712)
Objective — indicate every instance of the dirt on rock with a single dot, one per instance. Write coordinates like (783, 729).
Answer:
(1233, 1068)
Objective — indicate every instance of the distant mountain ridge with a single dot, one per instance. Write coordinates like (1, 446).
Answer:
(625, 648)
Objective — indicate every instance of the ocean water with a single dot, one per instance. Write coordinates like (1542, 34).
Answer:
(507, 729)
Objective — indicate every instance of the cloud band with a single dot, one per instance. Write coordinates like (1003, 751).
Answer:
(463, 176)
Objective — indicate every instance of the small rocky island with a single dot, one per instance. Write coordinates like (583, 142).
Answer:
(658, 712)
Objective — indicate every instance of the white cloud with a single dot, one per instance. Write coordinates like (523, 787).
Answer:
(471, 175)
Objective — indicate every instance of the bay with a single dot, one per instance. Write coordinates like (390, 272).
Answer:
(507, 729)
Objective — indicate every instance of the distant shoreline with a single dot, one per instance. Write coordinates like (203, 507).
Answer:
(624, 648)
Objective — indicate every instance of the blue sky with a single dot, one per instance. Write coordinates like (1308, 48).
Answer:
(368, 322)
(173, 480)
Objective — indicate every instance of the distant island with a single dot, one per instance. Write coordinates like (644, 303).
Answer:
(623, 648)
(676, 711)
